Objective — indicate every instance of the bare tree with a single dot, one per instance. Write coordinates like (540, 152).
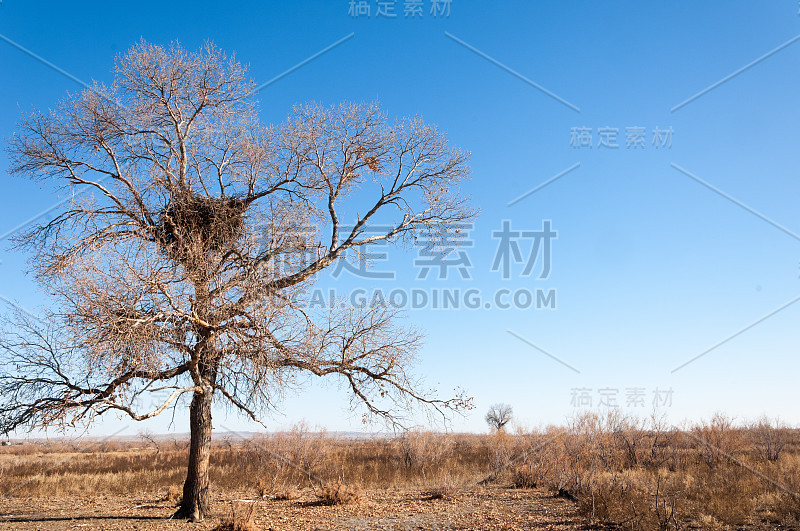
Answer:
(150, 439)
(182, 264)
(498, 416)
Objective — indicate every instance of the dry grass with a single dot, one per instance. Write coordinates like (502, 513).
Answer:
(340, 494)
(523, 478)
(241, 518)
(638, 475)
(445, 487)
(287, 493)
(173, 495)
(628, 472)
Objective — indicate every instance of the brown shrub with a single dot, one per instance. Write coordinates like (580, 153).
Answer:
(616, 469)
(173, 495)
(445, 487)
(241, 518)
(502, 451)
(717, 439)
(287, 493)
(769, 438)
(423, 450)
(523, 478)
(340, 494)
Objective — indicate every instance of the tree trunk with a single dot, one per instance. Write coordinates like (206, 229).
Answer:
(195, 503)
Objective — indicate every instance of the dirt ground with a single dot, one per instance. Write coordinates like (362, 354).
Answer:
(491, 507)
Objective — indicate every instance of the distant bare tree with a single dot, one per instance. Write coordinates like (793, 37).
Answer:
(151, 439)
(183, 267)
(499, 415)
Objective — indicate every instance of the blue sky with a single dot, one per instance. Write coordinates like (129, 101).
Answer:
(651, 267)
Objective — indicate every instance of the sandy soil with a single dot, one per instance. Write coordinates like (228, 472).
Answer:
(492, 507)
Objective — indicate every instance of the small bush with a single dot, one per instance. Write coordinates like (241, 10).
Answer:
(242, 518)
(445, 488)
(523, 478)
(287, 493)
(423, 451)
(340, 494)
(502, 450)
(769, 438)
(173, 495)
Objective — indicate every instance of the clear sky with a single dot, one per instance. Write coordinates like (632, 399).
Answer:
(669, 244)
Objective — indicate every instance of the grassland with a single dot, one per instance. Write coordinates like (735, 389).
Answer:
(600, 471)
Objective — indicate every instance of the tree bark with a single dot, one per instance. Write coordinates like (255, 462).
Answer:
(195, 504)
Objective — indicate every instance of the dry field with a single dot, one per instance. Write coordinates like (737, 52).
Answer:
(600, 472)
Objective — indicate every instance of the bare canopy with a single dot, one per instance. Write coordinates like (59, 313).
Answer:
(182, 262)
(499, 415)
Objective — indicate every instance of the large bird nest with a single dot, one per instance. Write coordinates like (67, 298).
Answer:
(194, 226)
